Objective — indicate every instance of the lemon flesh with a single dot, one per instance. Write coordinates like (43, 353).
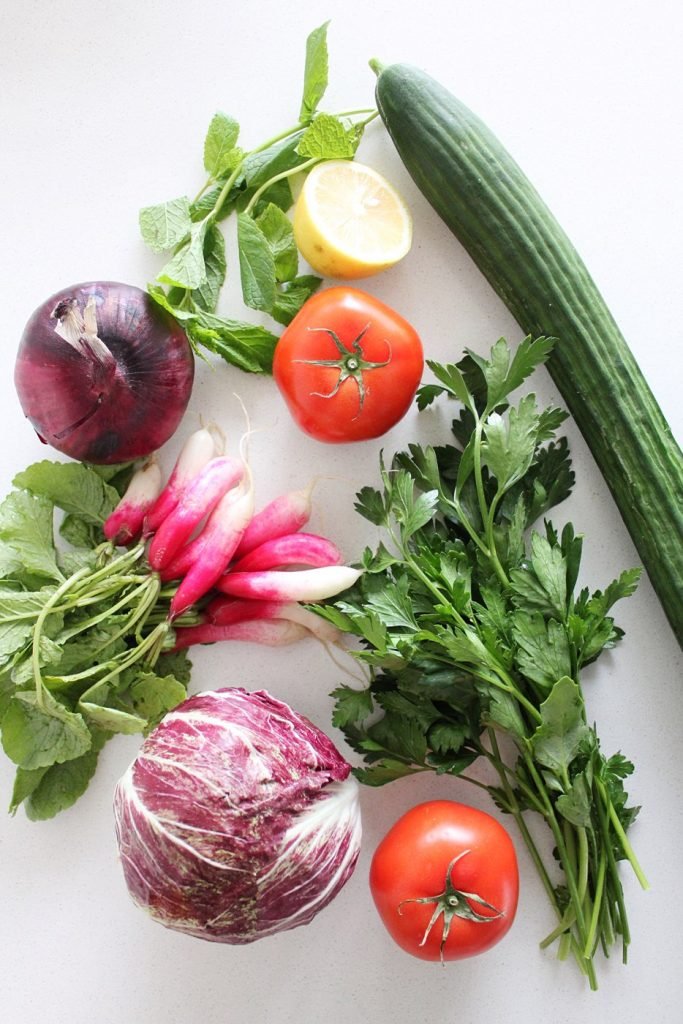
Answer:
(350, 222)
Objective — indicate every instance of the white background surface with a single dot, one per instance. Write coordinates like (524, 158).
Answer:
(103, 109)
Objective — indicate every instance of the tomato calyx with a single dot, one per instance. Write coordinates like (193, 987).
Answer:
(351, 363)
(452, 903)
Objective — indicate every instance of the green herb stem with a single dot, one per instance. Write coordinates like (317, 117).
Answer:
(282, 176)
(623, 838)
(48, 607)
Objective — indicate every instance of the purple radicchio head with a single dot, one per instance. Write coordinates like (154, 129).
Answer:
(238, 819)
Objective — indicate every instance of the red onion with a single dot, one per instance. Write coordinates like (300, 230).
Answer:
(103, 373)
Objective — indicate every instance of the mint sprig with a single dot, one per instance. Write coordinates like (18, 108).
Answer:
(255, 186)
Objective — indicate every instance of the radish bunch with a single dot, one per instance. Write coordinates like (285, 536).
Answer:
(244, 574)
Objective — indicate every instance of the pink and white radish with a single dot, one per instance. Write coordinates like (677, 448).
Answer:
(300, 585)
(197, 500)
(199, 448)
(226, 611)
(125, 523)
(291, 549)
(212, 551)
(285, 514)
(269, 632)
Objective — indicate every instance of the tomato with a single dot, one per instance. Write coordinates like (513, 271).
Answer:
(348, 366)
(445, 881)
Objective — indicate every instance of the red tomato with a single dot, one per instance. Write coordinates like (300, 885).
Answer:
(348, 366)
(445, 881)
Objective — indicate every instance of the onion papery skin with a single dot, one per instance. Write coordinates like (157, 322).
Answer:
(238, 819)
(114, 414)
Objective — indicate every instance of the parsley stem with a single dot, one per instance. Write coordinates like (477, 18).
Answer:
(597, 904)
(565, 860)
(623, 838)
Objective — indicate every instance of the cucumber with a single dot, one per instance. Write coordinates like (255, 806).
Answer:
(491, 207)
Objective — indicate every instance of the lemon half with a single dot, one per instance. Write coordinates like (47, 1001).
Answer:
(350, 222)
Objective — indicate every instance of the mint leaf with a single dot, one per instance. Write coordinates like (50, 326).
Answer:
(281, 156)
(26, 528)
(257, 266)
(35, 736)
(187, 268)
(206, 295)
(219, 145)
(74, 487)
(248, 346)
(278, 232)
(291, 297)
(559, 737)
(327, 138)
(350, 706)
(315, 72)
(164, 226)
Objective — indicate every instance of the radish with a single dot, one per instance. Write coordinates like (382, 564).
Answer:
(285, 514)
(197, 500)
(271, 632)
(125, 522)
(226, 611)
(290, 549)
(195, 453)
(301, 585)
(212, 550)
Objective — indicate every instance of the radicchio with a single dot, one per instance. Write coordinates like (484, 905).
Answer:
(238, 819)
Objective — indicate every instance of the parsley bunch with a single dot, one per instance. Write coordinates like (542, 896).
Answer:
(475, 638)
(255, 185)
(82, 625)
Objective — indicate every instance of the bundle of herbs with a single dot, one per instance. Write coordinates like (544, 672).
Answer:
(475, 639)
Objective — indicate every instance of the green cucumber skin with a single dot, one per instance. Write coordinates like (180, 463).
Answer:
(491, 207)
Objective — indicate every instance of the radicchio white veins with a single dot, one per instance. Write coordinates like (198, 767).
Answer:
(238, 819)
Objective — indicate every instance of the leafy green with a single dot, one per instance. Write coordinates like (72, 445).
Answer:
(277, 230)
(187, 268)
(257, 265)
(77, 652)
(165, 225)
(315, 72)
(38, 732)
(469, 623)
(26, 535)
(255, 186)
(72, 486)
(219, 145)
(328, 138)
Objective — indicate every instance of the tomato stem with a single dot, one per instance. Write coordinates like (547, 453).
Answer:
(453, 902)
(351, 363)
